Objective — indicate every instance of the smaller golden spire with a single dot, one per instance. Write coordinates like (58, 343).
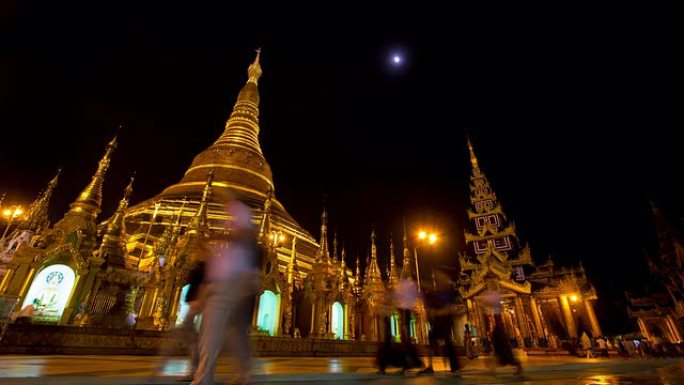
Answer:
(36, 217)
(357, 275)
(343, 263)
(473, 158)
(113, 246)
(334, 255)
(374, 277)
(198, 223)
(323, 253)
(293, 262)
(254, 70)
(265, 225)
(406, 270)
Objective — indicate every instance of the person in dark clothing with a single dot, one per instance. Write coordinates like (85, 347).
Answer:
(502, 347)
(440, 314)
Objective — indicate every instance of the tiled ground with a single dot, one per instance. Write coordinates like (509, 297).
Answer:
(76, 370)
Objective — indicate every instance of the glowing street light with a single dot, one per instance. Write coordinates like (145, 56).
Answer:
(11, 213)
(422, 236)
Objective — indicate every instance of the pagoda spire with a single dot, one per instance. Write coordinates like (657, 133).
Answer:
(265, 225)
(493, 250)
(84, 210)
(242, 128)
(292, 267)
(373, 275)
(406, 268)
(343, 263)
(357, 274)
(113, 246)
(334, 253)
(473, 158)
(198, 224)
(392, 271)
(323, 254)
(36, 217)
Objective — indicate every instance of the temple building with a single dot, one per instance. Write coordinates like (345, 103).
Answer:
(131, 269)
(539, 306)
(660, 311)
(136, 263)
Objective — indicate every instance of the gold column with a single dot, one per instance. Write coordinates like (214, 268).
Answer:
(643, 328)
(521, 317)
(145, 318)
(6, 279)
(80, 289)
(22, 274)
(25, 286)
(173, 314)
(537, 319)
(567, 314)
(589, 309)
(675, 328)
(345, 323)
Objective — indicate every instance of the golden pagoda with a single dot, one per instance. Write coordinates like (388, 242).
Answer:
(239, 167)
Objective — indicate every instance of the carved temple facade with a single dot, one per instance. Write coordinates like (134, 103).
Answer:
(660, 312)
(130, 270)
(538, 305)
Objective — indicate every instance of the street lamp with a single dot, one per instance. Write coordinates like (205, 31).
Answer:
(431, 239)
(11, 213)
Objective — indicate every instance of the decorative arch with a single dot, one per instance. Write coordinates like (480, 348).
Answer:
(50, 292)
(269, 312)
(63, 254)
(337, 320)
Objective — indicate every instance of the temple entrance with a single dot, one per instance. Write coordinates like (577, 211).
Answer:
(50, 292)
(303, 313)
(267, 318)
(337, 321)
(394, 327)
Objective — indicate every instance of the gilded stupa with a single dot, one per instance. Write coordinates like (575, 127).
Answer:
(238, 165)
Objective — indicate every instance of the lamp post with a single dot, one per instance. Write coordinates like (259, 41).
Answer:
(423, 236)
(11, 213)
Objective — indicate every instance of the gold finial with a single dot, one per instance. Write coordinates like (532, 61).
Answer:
(254, 70)
(129, 188)
(473, 158)
(54, 180)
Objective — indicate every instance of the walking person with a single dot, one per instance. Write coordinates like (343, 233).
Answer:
(586, 345)
(405, 299)
(502, 346)
(231, 281)
(439, 305)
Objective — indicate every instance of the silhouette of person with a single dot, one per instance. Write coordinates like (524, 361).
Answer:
(231, 281)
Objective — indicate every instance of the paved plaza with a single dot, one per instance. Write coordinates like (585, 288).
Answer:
(77, 370)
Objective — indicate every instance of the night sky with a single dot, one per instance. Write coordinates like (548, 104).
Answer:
(572, 117)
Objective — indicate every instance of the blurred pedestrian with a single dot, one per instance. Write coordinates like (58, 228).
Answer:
(231, 281)
(405, 355)
(439, 304)
(502, 346)
(586, 345)
(192, 299)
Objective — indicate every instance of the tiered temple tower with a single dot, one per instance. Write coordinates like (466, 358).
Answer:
(497, 280)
